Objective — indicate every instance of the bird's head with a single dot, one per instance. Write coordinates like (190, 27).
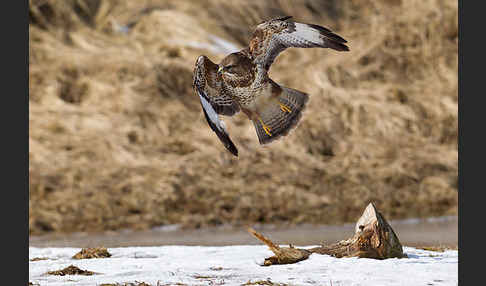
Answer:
(235, 65)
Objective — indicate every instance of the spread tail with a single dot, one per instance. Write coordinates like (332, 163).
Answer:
(280, 116)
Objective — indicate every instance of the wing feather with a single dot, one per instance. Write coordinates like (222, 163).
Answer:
(206, 78)
(217, 125)
(272, 37)
(213, 101)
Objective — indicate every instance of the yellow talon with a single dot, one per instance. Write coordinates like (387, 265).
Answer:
(266, 128)
(285, 108)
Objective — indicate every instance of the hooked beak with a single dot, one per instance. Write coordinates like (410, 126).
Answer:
(220, 70)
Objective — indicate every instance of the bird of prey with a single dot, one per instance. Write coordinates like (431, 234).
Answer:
(241, 82)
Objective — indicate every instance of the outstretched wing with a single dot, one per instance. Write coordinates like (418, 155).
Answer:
(208, 87)
(206, 79)
(216, 125)
(272, 37)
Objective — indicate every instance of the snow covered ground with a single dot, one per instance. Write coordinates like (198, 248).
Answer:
(237, 265)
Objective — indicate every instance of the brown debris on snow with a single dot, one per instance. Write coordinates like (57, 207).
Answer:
(95, 252)
(373, 238)
(71, 270)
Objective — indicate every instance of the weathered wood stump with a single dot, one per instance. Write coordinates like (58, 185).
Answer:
(373, 238)
(283, 255)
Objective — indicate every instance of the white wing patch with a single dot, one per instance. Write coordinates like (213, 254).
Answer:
(213, 116)
(304, 35)
(216, 124)
(268, 40)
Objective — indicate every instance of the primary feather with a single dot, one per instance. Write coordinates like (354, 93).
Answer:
(217, 125)
(272, 37)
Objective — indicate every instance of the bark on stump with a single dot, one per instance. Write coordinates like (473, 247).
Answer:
(373, 238)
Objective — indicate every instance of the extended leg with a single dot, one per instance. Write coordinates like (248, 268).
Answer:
(285, 108)
(265, 127)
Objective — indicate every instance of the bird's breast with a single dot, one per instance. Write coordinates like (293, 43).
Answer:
(246, 96)
(244, 80)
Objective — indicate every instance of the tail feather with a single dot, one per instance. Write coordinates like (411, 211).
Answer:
(279, 121)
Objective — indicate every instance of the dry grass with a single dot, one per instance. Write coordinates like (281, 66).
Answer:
(38, 259)
(438, 248)
(96, 252)
(117, 138)
(130, 284)
(71, 270)
(264, 282)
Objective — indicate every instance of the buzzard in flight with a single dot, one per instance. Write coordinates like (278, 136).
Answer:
(240, 81)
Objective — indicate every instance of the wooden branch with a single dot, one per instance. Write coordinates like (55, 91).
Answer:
(373, 238)
(283, 255)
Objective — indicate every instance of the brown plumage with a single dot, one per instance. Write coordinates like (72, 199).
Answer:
(240, 81)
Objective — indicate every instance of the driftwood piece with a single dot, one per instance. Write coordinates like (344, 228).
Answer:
(373, 238)
(283, 255)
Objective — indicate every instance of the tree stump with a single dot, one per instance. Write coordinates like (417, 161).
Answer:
(373, 238)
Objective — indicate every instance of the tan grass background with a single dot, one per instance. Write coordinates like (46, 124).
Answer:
(117, 138)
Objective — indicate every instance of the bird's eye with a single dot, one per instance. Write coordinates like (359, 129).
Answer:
(230, 68)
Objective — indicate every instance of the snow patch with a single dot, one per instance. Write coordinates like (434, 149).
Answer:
(236, 265)
(215, 45)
